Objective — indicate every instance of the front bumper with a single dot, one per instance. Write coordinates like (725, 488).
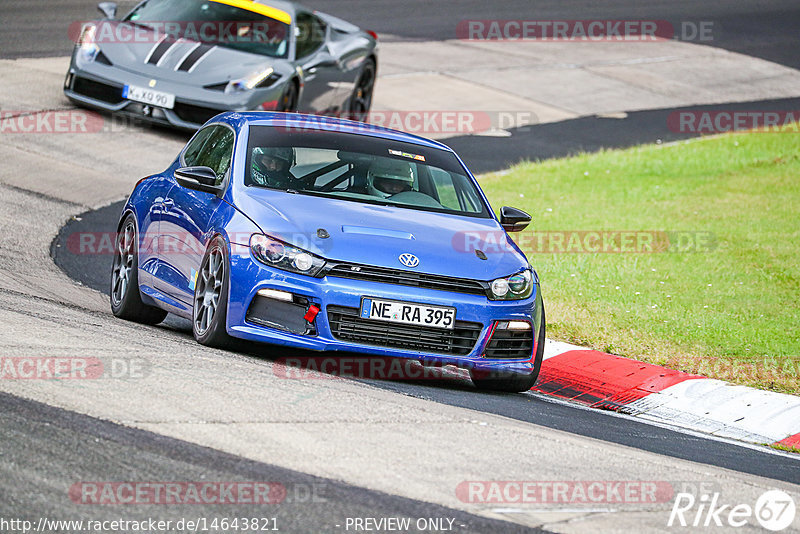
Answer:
(99, 86)
(332, 295)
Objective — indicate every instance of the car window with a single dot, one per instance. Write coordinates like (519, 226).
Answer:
(351, 167)
(196, 145)
(217, 23)
(212, 147)
(445, 188)
(310, 34)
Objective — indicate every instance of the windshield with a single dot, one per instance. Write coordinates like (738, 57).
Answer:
(362, 169)
(215, 22)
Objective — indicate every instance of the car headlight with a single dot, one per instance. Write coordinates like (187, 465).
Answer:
(280, 255)
(515, 287)
(87, 48)
(260, 79)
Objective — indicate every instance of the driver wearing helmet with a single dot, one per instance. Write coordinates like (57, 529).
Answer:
(388, 177)
(270, 166)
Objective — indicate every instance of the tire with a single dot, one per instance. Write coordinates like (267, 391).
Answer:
(513, 382)
(210, 305)
(361, 99)
(126, 301)
(288, 102)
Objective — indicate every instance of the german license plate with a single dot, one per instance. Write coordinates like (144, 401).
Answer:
(148, 96)
(395, 311)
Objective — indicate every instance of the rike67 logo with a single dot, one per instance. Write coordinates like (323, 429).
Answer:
(774, 510)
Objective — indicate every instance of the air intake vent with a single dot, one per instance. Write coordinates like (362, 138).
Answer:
(102, 58)
(347, 325)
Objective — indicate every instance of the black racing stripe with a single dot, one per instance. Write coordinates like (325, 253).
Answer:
(192, 58)
(160, 50)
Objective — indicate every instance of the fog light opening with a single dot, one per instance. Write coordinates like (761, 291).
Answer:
(276, 295)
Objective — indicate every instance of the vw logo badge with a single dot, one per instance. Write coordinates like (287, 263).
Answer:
(409, 260)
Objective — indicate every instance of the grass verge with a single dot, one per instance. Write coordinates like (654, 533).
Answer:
(717, 293)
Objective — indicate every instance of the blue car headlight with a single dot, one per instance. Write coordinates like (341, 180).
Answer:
(87, 48)
(515, 287)
(280, 255)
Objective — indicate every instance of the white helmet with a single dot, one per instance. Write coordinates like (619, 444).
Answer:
(387, 177)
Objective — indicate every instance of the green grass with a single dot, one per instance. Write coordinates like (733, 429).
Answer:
(728, 311)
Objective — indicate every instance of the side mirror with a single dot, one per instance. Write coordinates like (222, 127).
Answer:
(514, 220)
(108, 9)
(198, 178)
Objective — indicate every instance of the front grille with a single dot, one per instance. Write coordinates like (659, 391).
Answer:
(97, 90)
(346, 325)
(195, 114)
(510, 344)
(406, 278)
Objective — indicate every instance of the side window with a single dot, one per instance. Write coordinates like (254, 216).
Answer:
(196, 146)
(216, 152)
(310, 33)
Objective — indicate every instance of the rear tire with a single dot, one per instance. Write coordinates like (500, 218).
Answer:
(512, 382)
(361, 99)
(126, 301)
(210, 309)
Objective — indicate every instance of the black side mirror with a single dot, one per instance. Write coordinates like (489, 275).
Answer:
(198, 178)
(108, 9)
(514, 220)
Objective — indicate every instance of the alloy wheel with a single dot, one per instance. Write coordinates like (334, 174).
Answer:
(124, 260)
(209, 289)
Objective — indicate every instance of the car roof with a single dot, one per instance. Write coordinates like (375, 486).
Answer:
(299, 121)
(289, 7)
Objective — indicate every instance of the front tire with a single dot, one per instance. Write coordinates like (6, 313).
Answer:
(289, 101)
(126, 301)
(210, 310)
(512, 382)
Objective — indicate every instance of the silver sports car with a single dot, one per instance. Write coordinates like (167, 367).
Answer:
(180, 62)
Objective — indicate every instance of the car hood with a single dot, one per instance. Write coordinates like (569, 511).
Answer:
(377, 235)
(218, 66)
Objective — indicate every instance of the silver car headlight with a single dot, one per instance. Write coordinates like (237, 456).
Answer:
(280, 255)
(259, 79)
(515, 287)
(87, 48)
